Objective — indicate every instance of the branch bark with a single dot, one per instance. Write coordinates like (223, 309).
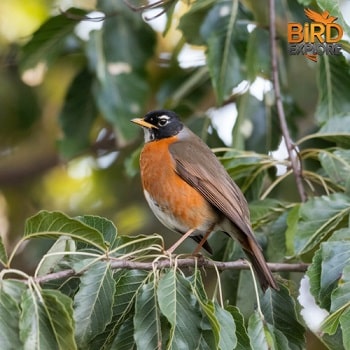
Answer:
(183, 263)
(292, 152)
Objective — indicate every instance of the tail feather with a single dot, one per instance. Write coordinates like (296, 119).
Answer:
(261, 269)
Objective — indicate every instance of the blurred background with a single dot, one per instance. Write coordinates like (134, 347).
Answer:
(67, 97)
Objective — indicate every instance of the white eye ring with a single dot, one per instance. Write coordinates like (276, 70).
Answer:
(163, 120)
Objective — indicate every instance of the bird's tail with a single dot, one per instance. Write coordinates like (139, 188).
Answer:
(261, 269)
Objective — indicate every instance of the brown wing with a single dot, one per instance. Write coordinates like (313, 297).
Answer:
(198, 166)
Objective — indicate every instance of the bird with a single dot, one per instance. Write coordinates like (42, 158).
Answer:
(190, 192)
(323, 17)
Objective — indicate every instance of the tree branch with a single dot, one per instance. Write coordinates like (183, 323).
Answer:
(293, 155)
(185, 262)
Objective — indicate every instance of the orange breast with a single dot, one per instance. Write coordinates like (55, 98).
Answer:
(173, 195)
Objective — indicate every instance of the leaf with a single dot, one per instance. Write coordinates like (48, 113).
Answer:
(49, 40)
(43, 319)
(280, 311)
(226, 41)
(318, 217)
(259, 337)
(9, 322)
(147, 334)
(265, 211)
(181, 309)
(141, 244)
(190, 23)
(258, 54)
(334, 9)
(334, 91)
(264, 336)
(341, 295)
(292, 227)
(3, 253)
(340, 308)
(228, 338)
(336, 130)
(127, 284)
(327, 267)
(77, 116)
(125, 337)
(93, 302)
(243, 342)
(345, 324)
(337, 165)
(53, 256)
(118, 54)
(59, 309)
(103, 225)
(56, 224)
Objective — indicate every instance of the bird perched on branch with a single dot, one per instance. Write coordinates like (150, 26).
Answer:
(190, 192)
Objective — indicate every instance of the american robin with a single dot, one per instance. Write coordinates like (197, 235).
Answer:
(189, 190)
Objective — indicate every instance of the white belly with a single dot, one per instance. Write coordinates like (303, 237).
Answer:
(166, 219)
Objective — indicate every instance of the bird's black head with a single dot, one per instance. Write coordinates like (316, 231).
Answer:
(159, 124)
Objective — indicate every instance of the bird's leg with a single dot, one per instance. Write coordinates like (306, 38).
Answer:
(177, 243)
(203, 240)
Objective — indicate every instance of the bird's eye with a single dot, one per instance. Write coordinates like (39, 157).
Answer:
(163, 121)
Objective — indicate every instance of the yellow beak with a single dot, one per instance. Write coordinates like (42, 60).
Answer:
(141, 122)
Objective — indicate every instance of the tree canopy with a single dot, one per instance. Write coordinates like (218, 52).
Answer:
(80, 269)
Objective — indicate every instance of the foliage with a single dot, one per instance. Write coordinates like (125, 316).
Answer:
(78, 296)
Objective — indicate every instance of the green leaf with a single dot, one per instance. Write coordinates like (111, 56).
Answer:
(227, 325)
(334, 9)
(336, 130)
(243, 342)
(319, 217)
(145, 244)
(341, 295)
(14, 288)
(127, 285)
(52, 257)
(190, 23)
(280, 311)
(264, 336)
(56, 224)
(292, 226)
(258, 54)
(93, 302)
(118, 53)
(43, 319)
(340, 308)
(345, 324)
(3, 253)
(59, 310)
(147, 334)
(125, 337)
(260, 339)
(120, 98)
(226, 40)
(103, 225)
(265, 211)
(326, 269)
(337, 165)
(49, 40)
(333, 87)
(77, 116)
(181, 309)
(9, 322)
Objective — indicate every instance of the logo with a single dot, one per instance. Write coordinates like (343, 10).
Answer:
(319, 37)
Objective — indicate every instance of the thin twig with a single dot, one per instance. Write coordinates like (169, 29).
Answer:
(295, 162)
(181, 263)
